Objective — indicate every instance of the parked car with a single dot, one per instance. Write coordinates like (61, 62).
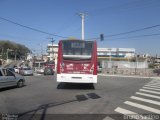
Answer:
(9, 78)
(49, 68)
(26, 71)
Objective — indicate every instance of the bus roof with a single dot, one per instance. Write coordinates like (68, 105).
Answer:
(78, 40)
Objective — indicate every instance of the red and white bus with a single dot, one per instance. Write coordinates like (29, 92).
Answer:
(77, 61)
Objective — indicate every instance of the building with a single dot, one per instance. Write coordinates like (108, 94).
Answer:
(52, 51)
(115, 53)
(120, 54)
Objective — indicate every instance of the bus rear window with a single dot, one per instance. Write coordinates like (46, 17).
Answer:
(77, 48)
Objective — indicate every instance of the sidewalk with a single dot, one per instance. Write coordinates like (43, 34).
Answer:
(129, 76)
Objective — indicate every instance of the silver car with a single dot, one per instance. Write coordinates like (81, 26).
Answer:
(9, 78)
(26, 71)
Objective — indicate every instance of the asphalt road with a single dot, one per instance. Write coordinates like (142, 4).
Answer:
(40, 98)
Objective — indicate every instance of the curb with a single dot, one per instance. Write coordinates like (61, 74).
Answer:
(157, 78)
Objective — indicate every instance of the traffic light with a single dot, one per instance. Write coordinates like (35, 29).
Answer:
(101, 37)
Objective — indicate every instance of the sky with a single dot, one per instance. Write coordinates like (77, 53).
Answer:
(61, 18)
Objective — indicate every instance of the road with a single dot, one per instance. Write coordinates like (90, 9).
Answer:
(110, 99)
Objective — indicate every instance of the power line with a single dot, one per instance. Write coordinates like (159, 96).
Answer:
(129, 32)
(138, 36)
(112, 35)
(34, 29)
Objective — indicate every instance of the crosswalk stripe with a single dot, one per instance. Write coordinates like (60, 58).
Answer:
(150, 91)
(158, 84)
(151, 88)
(108, 118)
(153, 81)
(148, 95)
(150, 109)
(131, 114)
(145, 100)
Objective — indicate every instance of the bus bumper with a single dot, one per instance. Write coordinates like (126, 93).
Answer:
(77, 78)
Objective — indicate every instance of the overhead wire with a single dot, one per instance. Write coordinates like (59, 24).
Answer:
(31, 28)
(138, 36)
(125, 5)
(112, 35)
(128, 32)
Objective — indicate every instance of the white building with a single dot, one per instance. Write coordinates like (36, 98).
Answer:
(116, 52)
(52, 51)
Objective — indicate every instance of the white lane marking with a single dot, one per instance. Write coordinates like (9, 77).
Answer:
(131, 114)
(153, 84)
(151, 88)
(148, 95)
(158, 84)
(145, 100)
(150, 91)
(108, 118)
(150, 109)
(154, 81)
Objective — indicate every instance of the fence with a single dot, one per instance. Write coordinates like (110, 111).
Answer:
(124, 64)
(127, 68)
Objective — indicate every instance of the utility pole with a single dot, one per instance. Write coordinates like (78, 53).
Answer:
(15, 55)
(82, 15)
(41, 47)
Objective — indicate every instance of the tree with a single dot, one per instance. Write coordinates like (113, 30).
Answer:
(16, 49)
